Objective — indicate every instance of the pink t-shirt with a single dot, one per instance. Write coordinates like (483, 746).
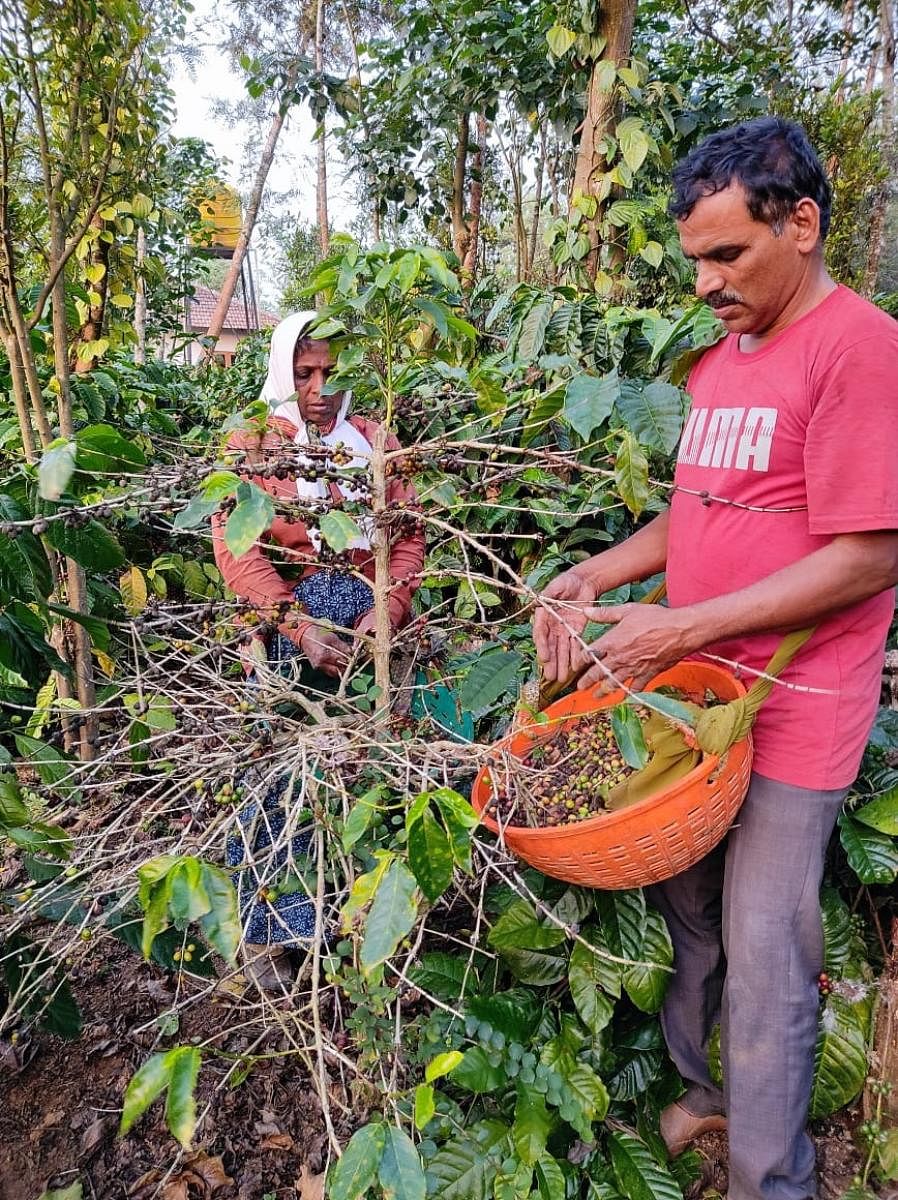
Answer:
(807, 426)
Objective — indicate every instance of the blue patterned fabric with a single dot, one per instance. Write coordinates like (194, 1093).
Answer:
(328, 595)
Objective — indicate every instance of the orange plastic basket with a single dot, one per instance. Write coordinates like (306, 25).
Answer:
(651, 840)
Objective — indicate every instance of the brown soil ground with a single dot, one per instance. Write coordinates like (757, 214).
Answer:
(59, 1114)
(263, 1140)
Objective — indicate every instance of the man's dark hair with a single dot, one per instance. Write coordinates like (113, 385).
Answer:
(773, 161)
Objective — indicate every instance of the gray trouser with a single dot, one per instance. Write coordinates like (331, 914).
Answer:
(748, 944)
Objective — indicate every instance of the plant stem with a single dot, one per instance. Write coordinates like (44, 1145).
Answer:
(381, 575)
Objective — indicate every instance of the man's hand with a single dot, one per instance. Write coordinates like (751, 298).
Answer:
(556, 648)
(325, 650)
(646, 640)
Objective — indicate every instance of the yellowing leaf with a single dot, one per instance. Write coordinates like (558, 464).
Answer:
(133, 588)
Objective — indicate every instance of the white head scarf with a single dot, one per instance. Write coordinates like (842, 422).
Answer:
(279, 391)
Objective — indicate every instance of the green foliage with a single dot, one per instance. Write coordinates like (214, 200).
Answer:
(174, 1072)
(182, 890)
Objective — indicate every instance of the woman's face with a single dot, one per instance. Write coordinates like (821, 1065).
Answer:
(311, 366)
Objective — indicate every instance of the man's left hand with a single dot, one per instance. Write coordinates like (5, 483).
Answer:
(645, 640)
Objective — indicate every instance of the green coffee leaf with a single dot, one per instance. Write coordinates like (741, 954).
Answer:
(493, 673)
(589, 401)
(622, 917)
(101, 450)
(465, 1167)
(881, 813)
(459, 818)
(638, 1175)
(55, 469)
(91, 546)
(393, 913)
(532, 1124)
(550, 1182)
(219, 484)
(585, 1099)
(150, 1081)
(840, 1058)
(249, 520)
(361, 815)
(355, 1170)
(836, 931)
(13, 809)
(338, 529)
(364, 888)
(627, 729)
(197, 512)
(442, 1065)
(180, 1103)
(425, 1105)
(401, 1174)
(873, 856)
(11, 679)
(221, 924)
(654, 413)
(646, 985)
(476, 1073)
(585, 974)
(430, 856)
(187, 897)
(631, 474)
(441, 974)
(518, 928)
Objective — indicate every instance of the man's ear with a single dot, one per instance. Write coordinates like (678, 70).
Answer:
(805, 221)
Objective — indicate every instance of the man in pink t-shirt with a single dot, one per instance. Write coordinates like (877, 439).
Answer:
(783, 515)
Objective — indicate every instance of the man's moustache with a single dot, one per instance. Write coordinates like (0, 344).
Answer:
(722, 299)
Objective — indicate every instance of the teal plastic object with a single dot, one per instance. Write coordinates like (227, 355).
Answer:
(441, 704)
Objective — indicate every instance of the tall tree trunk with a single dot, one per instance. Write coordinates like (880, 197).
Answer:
(459, 178)
(469, 262)
(324, 240)
(20, 395)
(884, 191)
(617, 29)
(140, 302)
(76, 579)
(229, 286)
(847, 37)
(537, 200)
(20, 331)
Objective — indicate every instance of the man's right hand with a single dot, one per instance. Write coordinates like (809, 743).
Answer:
(554, 625)
(325, 650)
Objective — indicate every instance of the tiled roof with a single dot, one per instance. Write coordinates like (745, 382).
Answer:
(202, 306)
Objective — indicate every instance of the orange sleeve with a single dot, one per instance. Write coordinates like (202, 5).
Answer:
(251, 575)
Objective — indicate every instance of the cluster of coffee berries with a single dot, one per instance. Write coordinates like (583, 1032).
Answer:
(228, 794)
(571, 775)
(185, 955)
(518, 1062)
(824, 984)
(873, 1133)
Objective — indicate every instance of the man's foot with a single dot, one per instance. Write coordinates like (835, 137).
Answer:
(680, 1127)
(268, 967)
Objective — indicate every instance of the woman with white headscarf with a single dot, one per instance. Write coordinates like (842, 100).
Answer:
(306, 424)
(303, 416)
